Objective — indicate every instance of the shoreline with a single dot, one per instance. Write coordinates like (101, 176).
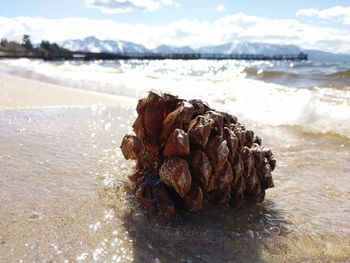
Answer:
(60, 174)
(51, 149)
(24, 93)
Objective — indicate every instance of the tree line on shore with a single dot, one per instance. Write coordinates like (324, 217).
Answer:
(51, 51)
(43, 50)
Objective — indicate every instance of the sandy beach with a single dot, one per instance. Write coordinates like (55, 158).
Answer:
(170, 131)
(18, 92)
(63, 197)
(48, 184)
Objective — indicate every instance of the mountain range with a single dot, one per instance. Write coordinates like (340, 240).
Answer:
(92, 44)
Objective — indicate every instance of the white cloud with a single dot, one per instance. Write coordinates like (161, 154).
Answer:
(220, 8)
(170, 3)
(123, 6)
(336, 13)
(231, 28)
(167, 2)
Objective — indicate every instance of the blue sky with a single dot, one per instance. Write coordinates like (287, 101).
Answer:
(189, 9)
(308, 23)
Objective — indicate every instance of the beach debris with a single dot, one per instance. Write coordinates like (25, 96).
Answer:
(188, 154)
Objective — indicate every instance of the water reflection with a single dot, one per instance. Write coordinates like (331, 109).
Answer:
(261, 232)
(215, 234)
(63, 182)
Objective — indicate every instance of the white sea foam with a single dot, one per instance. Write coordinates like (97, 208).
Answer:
(223, 84)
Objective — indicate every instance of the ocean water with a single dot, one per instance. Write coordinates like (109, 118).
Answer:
(72, 171)
(312, 96)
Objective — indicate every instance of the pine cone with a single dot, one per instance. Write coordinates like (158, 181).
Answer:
(187, 153)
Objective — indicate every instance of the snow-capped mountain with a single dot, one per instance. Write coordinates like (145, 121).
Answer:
(251, 48)
(92, 44)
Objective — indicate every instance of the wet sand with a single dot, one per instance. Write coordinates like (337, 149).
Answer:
(48, 166)
(19, 92)
(64, 198)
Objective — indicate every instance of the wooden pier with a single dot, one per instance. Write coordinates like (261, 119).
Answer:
(87, 56)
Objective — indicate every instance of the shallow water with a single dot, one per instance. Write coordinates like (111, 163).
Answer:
(317, 98)
(64, 197)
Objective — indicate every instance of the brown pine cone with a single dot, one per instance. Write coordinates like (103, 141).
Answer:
(187, 153)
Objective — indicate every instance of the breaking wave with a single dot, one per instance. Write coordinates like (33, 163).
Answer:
(232, 86)
(341, 74)
(266, 75)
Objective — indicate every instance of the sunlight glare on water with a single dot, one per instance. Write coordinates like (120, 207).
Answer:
(64, 175)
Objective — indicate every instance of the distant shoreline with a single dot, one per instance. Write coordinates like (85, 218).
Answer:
(149, 56)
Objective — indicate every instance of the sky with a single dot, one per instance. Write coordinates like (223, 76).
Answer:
(310, 24)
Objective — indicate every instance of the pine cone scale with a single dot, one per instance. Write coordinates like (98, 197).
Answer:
(187, 154)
